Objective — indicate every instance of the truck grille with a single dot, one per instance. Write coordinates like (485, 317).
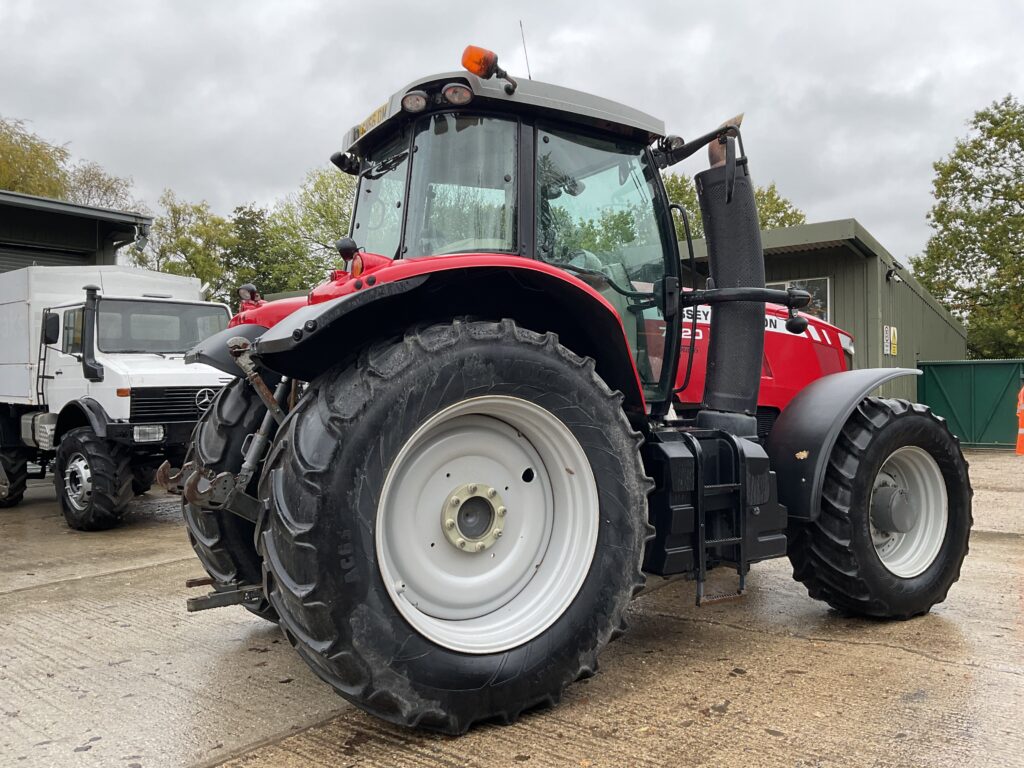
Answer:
(160, 404)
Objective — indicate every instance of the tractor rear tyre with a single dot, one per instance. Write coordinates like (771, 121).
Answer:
(895, 515)
(224, 542)
(13, 477)
(93, 479)
(456, 524)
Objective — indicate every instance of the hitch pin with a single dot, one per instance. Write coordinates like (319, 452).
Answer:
(241, 350)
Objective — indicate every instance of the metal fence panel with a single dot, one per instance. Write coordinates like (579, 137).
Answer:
(977, 397)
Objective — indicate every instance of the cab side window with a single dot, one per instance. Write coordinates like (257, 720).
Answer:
(71, 338)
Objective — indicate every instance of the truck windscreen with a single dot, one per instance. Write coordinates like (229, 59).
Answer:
(163, 327)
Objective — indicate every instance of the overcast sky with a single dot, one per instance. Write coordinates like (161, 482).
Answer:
(847, 105)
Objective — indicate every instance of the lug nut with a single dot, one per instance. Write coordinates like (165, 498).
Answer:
(449, 524)
(491, 493)
(455, 501)
(472, 489)
(480, 546)
(497, 533)
(461, 543)
(501, 511)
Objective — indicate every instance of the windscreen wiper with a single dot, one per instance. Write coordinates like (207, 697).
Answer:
(386, 166)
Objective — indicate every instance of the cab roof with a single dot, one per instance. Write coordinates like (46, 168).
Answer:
(531, 96)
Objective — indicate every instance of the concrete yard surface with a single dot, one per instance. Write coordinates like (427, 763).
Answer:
(100, 665)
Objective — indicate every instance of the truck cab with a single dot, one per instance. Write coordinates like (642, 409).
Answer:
(95, 384)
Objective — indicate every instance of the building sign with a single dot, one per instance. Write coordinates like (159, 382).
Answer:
(886, 341)
(892, 341)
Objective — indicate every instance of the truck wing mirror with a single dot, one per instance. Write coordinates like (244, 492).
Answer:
(51, 327)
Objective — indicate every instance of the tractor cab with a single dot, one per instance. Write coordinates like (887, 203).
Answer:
(456, 164)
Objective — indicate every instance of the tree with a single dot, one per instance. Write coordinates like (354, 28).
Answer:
(189, 239)
(974, 260)
(30, 164)
(90, 184)
(773, 209)
(318, 214)
(263, 253)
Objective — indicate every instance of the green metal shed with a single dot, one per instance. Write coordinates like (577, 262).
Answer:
(977, 397)
(860, 287)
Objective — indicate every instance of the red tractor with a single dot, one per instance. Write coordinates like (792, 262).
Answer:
(447, 470)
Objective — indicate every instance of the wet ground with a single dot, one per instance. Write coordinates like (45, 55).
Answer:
(100, 665)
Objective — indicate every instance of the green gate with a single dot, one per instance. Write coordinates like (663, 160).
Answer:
(977, 397)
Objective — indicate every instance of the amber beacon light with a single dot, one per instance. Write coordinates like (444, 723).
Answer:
(484, 64)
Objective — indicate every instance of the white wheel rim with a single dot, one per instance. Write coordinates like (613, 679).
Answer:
(518, 584)
(78, 482)
(911, 471)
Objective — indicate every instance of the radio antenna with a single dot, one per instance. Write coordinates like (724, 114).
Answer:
(523, 35)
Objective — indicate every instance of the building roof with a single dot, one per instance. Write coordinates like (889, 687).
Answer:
(840, 233)
(19, 200)
(533, 94)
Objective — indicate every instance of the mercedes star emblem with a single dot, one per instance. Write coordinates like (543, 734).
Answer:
(203, 398)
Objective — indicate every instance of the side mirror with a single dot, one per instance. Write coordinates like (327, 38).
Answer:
(51, 327)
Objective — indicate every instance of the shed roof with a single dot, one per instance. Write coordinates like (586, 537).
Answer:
(19, 200)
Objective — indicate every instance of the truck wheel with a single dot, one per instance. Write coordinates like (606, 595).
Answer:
(93, 478)
(895, 515)
(142, 479)
(456, 524)
(224, 542)
(13, 477)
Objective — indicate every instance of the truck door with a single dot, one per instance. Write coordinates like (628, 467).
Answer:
(64, 362)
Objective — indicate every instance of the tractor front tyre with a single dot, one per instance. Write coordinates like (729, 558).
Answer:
(895, 515)
(224, 542)
(13, 477)
(93, 479)
(456, 524)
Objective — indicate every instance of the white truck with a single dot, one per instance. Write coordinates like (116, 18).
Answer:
(93, 382)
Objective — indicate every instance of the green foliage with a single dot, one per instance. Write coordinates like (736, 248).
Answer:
(189, 239)
(974, 260)
(773, 210)
(30, 164)
(318, 214)
(90, 184)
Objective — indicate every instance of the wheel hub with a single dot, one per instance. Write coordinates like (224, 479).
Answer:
(892, 510)
(473, 517)
(78, 482)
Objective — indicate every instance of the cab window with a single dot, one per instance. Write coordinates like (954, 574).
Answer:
(71, 338)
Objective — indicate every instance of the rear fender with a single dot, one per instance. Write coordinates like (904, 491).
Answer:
(802, 439)
(541, 298)
(213, 351)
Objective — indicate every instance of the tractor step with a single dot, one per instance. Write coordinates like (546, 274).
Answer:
(246, 593)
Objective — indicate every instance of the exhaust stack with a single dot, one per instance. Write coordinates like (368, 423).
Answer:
(736, 260)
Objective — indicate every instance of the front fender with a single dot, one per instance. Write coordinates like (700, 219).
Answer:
(213, 351)
(81, 413)
(802, 438)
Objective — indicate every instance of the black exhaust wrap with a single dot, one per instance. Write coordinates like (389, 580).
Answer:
(736, 260)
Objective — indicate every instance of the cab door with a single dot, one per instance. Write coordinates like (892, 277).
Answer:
(64, 361)
(600, 213)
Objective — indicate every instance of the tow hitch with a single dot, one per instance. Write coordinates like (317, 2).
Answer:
(242, 594)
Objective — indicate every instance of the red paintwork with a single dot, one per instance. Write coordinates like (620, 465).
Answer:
(791, 362)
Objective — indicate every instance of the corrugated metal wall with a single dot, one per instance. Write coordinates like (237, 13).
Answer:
(17, 259)
(863, 302)
(924, 331)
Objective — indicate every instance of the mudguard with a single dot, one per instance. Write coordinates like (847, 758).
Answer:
(94, 414)
(213, 351)
(803, 436)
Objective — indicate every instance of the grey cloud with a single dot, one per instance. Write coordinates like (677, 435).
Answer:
(847, 104)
